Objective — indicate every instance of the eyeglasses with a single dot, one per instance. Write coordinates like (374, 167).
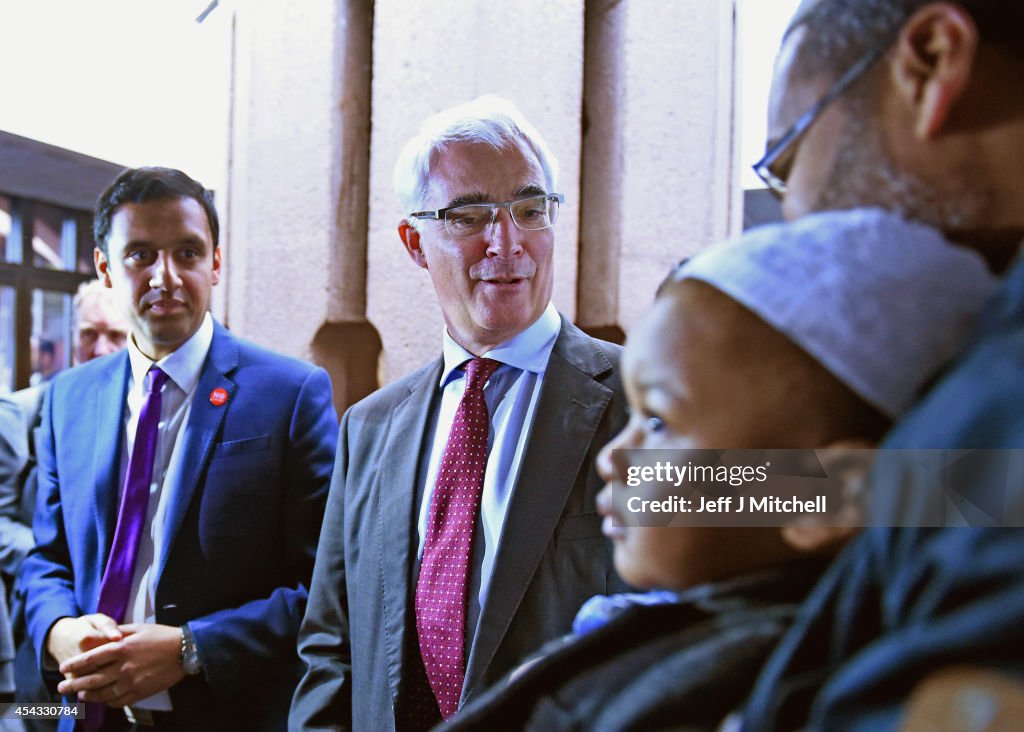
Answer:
(532, 213)
(775, 166)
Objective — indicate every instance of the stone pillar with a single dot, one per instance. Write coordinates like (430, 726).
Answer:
(430, 56)
(295, 255)
(659, 167)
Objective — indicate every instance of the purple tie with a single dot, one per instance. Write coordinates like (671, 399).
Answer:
(131, 518)
(444, 569)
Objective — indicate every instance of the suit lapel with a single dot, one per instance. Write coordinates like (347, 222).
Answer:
(570, 408)
(396, 489)
(204, 422)
(109, 436)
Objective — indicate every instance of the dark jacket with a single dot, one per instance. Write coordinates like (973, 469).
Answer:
(684, 665)
(901, 603)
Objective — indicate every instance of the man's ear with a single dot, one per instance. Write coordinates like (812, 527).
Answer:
(216, 265)
(847, 461)
(102, 266)
(932, 66)
(411, 239)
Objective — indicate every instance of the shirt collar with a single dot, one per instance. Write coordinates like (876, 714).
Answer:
(527, 351)
(183, 365)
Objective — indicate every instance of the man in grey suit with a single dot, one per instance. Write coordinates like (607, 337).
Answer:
(411, 612)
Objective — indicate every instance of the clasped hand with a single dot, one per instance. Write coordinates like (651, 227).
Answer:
(116, 665)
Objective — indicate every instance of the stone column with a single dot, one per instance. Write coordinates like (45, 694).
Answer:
(659, 166)
(295, 256)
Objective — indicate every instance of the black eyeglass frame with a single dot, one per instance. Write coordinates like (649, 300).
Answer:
(763, 166)
(439, 214)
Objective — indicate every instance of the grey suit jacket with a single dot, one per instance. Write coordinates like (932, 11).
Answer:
(551, 558)
(18, 489)
(13, 454)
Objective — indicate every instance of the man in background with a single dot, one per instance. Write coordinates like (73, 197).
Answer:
(100, 326)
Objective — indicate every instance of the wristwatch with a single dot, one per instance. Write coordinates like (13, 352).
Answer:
(189, 653)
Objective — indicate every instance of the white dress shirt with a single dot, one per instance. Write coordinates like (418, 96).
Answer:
(183, 368)
(511, 394)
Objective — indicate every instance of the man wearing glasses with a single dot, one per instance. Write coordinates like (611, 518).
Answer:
(916, 106)
(461, 531)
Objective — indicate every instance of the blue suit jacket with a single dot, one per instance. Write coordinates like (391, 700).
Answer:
(242, 524)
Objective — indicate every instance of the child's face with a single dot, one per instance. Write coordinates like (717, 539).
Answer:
(687, 388)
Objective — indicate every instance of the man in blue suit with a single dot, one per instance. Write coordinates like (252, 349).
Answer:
(181, 489)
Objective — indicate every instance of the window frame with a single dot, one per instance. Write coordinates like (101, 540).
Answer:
(24, 277)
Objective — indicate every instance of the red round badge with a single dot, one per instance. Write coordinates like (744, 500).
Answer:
(218, 397)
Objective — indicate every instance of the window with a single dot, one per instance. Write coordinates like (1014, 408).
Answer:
(7, 351)
(61, 239)
(47, 254)
(46, 199)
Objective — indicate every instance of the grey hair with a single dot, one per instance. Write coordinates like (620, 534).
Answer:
(487, 120)
(89, 289)
(840, 31)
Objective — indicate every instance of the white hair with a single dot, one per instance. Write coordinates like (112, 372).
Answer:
(487, 120)
(90, 289)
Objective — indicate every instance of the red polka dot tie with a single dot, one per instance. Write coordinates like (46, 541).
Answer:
(444, 569)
